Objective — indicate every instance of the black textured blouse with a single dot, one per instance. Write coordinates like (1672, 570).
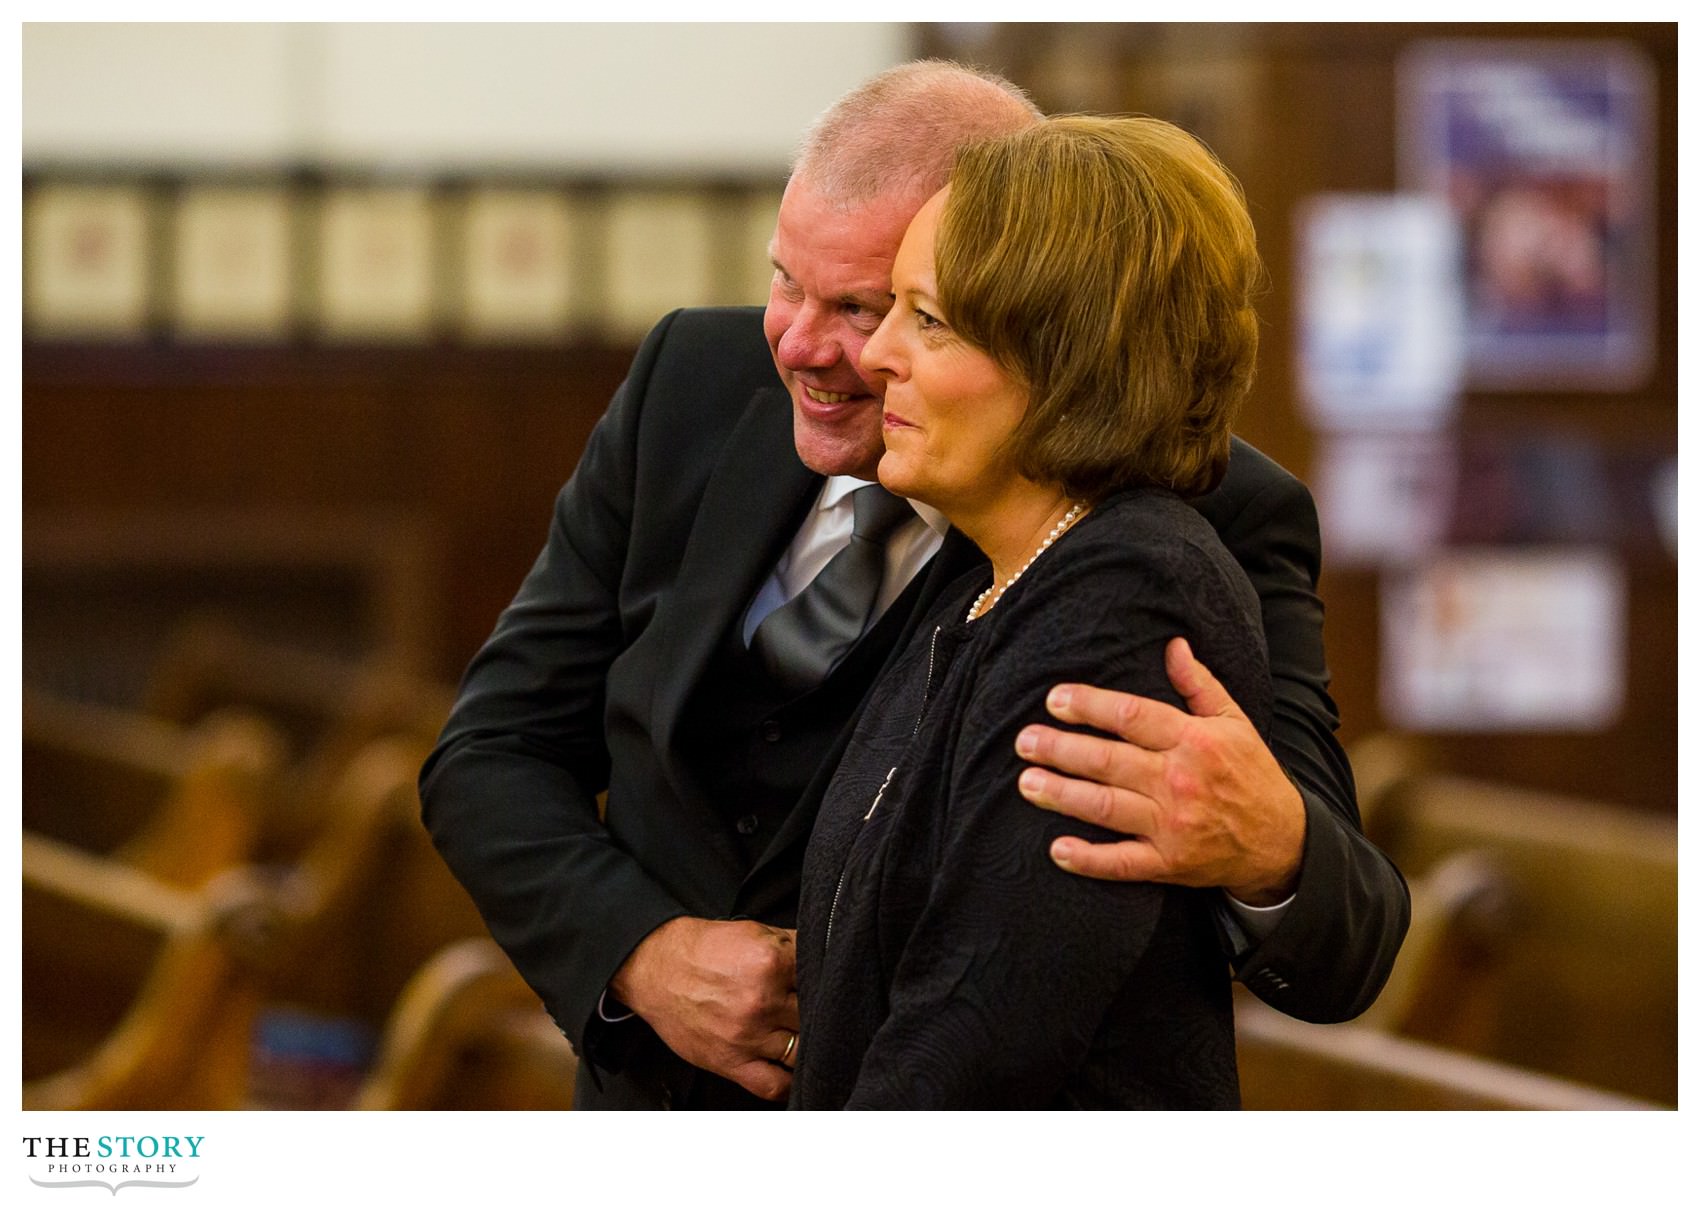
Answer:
(943, 960)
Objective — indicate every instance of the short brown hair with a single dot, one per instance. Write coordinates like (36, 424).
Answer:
(1108, 264)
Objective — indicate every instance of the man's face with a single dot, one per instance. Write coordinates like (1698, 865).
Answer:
(831, 287)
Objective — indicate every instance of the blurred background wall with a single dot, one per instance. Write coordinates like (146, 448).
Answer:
(317, 319)
(387, 276)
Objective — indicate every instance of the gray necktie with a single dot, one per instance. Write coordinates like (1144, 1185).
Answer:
(801, 641)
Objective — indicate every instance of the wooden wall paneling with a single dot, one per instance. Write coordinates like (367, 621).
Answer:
(462, 449)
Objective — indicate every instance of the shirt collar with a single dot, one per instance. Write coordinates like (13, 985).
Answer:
(837, 488)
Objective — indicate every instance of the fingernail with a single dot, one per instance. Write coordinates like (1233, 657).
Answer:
(1059, 698)
(1025, 743)
(1062, 853)
(1031, 783)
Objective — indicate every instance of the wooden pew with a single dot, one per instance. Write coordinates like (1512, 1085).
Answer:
(1287, 1065)
(181, 804)
(136, 994)
(326, 707)
(369, 901)
(468, 1034)
(348, 927)
(1452, 966)
(1584, 984)
(364, 908)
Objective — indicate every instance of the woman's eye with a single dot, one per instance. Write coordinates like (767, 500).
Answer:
(925, 320)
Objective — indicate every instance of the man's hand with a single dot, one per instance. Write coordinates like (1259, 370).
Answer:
(1206, 801)
(723, 995)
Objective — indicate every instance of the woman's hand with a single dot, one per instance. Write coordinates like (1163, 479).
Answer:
(1203, 798)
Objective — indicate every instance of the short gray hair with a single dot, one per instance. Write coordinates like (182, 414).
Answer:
(900, 131)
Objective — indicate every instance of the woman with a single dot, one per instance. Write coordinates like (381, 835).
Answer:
(1070, 338)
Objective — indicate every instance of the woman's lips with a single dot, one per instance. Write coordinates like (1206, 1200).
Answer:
(893, 421)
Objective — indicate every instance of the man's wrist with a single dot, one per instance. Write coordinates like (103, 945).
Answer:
(1259, 921)
(1278, 889)
(611, 1009)
(1267, 896)
(627, 987)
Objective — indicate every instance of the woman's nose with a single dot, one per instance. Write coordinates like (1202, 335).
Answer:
(880, 354)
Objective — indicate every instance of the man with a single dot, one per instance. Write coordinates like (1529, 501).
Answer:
(637, 657)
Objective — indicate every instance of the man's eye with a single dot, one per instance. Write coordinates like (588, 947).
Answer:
(864, 315)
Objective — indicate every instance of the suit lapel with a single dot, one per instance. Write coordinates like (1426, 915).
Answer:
(757, 494)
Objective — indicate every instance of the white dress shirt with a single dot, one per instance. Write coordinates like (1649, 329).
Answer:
(826, 531)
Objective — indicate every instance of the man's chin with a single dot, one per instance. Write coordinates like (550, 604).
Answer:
(842, 449)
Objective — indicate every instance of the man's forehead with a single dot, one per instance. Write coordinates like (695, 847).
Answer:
(882, 217)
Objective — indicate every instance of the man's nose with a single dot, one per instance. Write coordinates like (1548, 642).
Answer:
(808, 342)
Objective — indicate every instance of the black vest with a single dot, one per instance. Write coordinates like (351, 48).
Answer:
(756, 747)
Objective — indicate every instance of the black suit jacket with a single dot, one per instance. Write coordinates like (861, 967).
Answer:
(688, 491)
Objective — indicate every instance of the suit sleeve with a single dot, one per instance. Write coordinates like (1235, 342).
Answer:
(1334, 947)
(509, 795)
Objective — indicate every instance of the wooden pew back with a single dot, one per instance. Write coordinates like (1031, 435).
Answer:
(181, 804)
(369, 901)
(327, 708)
(1586, 984)
(1286, 1065)
(469, 1034)
(136, 994)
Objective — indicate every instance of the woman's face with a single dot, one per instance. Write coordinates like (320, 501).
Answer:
(949, 409)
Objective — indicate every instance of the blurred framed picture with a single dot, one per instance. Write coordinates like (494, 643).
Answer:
(88, 260)
(753, 276)
(1544, 151)
(521, 279)
(233, 258)
(659, 255)
(376, 263)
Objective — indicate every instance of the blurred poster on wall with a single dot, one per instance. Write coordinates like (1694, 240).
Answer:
(1544, 151)
(1483, 640)
(1381, 314)
(1538, 485)
(1384, 498)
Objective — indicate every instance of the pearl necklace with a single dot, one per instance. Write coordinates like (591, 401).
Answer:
(992, 593)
